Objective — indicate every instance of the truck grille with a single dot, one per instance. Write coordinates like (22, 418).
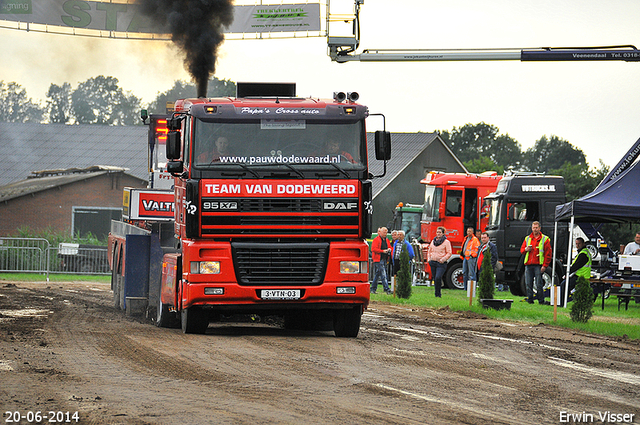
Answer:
(280, 205)
(328, 217)
(280, 264)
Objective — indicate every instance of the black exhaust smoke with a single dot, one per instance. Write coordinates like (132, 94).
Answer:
(196, 26)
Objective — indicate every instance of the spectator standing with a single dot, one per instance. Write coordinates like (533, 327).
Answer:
(469, 255)
(398, 246)
(379, 253)
(394, 238)
(536, 248)
(633, 248)
(438, 254)
(487, 245)
(580, 267)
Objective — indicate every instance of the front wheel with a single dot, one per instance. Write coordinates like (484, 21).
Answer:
(346, 323)
(194, 320)
(453, 277)
(519, 289)
(165, 318)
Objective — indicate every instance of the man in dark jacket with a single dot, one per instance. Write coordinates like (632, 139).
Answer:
(487, 245)
(397, 250)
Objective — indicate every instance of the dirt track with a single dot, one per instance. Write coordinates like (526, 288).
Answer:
(64, 348)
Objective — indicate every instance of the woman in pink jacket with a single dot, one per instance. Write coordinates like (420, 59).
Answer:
(438, 254)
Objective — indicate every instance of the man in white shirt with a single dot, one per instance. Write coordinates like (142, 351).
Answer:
(633, 248)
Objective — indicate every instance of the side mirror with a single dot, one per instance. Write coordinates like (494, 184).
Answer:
(173, 145)
(174, 167)
(174, 124)
(383, 145)
(441, 211)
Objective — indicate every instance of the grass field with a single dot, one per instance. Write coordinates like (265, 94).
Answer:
(609, 321)
(53, 277)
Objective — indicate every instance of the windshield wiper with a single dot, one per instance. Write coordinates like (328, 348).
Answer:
(292, 168)
(344, 173)
(244, 167)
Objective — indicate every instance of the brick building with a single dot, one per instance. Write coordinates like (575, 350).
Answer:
(62, 200)
(74, 187)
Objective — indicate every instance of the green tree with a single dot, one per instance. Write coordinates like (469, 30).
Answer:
(582, 308)
(471, 142)
(482, 164)
(550, 154)
(184, 90)
(486, 280)
(59, 103)
(100, 100)
(15, 106)
(403, 280)
(579, 180)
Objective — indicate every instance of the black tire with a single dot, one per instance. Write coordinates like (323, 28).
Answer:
(453, 277)
(346, 323)
(194, 320)
(518, 288)
(165, 318)
(115, 286)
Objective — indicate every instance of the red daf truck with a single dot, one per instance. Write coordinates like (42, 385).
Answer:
(272, 206)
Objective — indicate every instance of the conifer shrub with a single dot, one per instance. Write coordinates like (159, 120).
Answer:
(403, 280)
(486, 280)
(582, 308)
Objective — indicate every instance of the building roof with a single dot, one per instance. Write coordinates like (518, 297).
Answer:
(32, 147)
(405, 147)
(47, 179)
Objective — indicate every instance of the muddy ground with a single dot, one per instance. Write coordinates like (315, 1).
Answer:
(64, 349)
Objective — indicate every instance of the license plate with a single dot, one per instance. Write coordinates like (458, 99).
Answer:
(280, 294)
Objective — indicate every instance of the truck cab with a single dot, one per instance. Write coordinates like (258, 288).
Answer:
(272, 208)
(519, 200)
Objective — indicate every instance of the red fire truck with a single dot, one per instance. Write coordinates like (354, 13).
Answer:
(455, 201)
(272, 198)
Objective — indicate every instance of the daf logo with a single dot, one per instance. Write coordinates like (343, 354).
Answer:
(345, 206)
(220, 205)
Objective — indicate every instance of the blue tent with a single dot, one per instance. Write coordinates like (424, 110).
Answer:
(615, 200)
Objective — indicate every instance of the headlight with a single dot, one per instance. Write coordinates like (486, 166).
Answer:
(205, 267)
(214, 291)
(349, 266)
(346, 290)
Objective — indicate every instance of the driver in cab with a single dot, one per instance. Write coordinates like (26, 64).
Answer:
(220, 148)
(333, 148)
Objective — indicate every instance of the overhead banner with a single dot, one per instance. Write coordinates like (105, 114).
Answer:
(121, 17)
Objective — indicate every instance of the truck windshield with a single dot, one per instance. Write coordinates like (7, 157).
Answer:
(432, 199)
(411, 225)
(266, 142)
(495, 213)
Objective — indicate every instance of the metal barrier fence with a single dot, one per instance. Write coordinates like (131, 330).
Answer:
(35, 255)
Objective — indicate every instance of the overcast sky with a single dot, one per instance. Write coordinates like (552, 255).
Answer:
(593, 105)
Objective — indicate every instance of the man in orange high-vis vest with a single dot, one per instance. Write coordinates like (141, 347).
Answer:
(469, 256)
(536, 248)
